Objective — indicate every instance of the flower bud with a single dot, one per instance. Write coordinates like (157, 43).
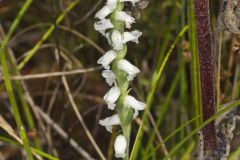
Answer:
(120, 146)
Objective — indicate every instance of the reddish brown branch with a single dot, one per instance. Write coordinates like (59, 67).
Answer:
(205, 52)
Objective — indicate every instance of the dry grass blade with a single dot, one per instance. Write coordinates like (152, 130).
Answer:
(63, 134)
(52, 74)
(80, 118)
(5, 126)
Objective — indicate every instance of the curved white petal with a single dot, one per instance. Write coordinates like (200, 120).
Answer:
(133, 1)
(130, 101)
(103, 25)
(107, 58)
(123, 16)
(117, 40)
(120, 146)
(111, 97)
(130, 69)
(110, 121)
(131, 36)
(109, 76)
(104, 12)
(112, 4)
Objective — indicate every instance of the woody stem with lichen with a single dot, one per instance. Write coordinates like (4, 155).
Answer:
(125, 113)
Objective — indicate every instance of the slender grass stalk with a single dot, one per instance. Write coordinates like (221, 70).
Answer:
(156, 77)
(163, 110)
(167, 35)
(26, 110)
(183, 84)
(195, 75)
(172, 134)
(8, 81)
(15, 24)
(226, 108)
(205, 51)
(47, 34)
(234, 155)
(37, 151)
(188, 152)
(28, 116)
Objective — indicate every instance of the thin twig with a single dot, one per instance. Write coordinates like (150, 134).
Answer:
(89, 13)
(75, 108)
(159, 136)
(63, 134)
(53, 74)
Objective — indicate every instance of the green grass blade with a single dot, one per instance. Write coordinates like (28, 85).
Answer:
(226, 108)
(164, 109)
(156, 77)
(27, 113)
(234, 155)
(195, 75)
(8, 81)
(15, 24)
(167, 36)
(173, 134)
(188, 153)
(47, 34)
(38, 152)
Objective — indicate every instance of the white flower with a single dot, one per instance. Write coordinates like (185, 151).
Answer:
(110, 121)
(104, 12)
(130, 101)
(107, 35)
(120, 146)
(133, 1)
(109, 76)
(103, 25)
(130, 69)
(112, 96)
(131, 36)
(117, 41)
(123, 16)
(107, 58)
(112, 4)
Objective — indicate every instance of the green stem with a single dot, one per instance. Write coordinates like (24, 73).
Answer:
(8, 81)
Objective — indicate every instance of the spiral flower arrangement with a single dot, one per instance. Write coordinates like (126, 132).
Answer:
(118, 71)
